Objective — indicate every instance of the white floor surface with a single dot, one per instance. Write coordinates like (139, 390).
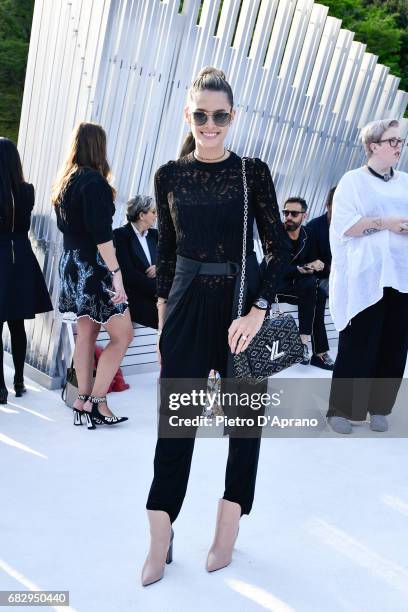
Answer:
(328, 531)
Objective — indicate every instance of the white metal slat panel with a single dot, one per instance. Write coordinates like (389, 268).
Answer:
(24, 143)
(44, 333)
(34, 76)
(48, 345)
(296, 133)
(324, 118)
(336, 134)
(142, 87)
(293, 98)
(296, 180)
(44, 326)
(171, 129)
(79, 24)
(253, 116)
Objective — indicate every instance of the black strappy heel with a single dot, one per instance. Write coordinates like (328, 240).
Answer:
(96, 418)
(77, 412)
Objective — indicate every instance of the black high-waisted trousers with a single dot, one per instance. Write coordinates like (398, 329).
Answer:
(194, 340)
(371, 359)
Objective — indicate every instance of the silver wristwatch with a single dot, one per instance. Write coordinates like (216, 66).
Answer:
(261, 303)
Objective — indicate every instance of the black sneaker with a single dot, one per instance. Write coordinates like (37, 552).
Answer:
(322, 361)
(306, 355)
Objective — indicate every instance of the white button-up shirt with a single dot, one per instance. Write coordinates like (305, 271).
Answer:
(142, 237)
(363, 266)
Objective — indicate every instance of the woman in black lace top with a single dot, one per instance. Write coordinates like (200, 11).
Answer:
(200, 204)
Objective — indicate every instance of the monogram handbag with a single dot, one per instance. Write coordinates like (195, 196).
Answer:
(277, 345)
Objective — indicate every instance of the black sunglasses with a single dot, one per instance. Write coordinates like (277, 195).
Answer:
(220, 118)
(293, 213)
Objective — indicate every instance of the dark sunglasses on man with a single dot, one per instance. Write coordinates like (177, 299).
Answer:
(220, 118)
(293, 213)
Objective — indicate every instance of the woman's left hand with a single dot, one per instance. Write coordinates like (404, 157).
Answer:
(242, 330)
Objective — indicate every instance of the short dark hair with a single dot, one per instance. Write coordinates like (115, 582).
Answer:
(329, 199)
(296, 200)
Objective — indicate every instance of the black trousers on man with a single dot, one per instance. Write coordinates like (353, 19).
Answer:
(311, 301)
(371, 359)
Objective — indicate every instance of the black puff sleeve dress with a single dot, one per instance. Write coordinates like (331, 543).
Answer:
(23, 292)
(84, 216)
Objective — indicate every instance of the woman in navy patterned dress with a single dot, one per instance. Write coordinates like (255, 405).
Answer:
(91, 291)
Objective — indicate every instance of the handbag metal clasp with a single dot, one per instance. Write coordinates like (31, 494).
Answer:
(278, 312)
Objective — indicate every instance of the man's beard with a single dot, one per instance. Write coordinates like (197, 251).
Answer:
(292, 226)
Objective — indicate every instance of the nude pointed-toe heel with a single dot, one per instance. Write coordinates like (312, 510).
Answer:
(226, 532)
(161, 547)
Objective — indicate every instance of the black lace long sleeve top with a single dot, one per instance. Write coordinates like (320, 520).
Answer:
(201, 214)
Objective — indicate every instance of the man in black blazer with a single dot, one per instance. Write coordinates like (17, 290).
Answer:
(136, 244)
(299, 285)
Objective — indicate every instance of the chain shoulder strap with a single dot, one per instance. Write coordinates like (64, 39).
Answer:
(244, 240)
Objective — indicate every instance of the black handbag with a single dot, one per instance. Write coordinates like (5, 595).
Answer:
(277, 345)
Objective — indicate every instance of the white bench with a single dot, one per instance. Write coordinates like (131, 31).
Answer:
(141, 354)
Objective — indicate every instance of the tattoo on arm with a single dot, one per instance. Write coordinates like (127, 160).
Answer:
(377, 227)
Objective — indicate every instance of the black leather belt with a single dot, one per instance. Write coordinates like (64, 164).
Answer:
(229, 268)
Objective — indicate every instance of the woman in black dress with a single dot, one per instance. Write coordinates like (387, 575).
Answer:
(23, 292)
(200, 203)
(91, 290)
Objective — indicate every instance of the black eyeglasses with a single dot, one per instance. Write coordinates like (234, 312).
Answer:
(293, 213)
(394, 142)
(220, 118)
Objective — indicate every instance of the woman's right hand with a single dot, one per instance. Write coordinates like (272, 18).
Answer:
(120, 293)
(397, 225)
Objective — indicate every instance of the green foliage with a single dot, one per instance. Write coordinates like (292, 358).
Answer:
(15, 27)
(10, 109)
(13, 59)
(380, 33)
(382, 26)
(15, 19)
